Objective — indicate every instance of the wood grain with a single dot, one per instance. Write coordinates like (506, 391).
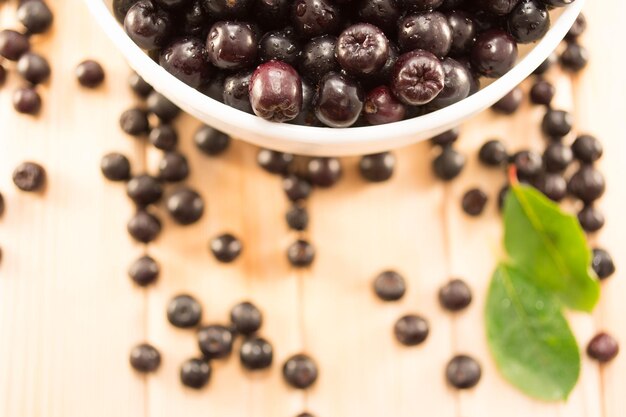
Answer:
(69, 314)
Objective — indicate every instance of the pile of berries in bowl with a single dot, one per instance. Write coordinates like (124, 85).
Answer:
(338, 63)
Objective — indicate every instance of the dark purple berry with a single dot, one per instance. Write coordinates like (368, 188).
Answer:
(446, 138)
(418, 78)
(274, 162)
(315, 17)
(457, 83)
(493, 153)
(339, 100)
(135, 122)
(301, 254)
(148, 25)
(542, 92)
(318, 58)
(226, 9)
(494, 53)
(528, 164)
(377, 167)
(411, 330)
(215, 341)
(474, 202)
(144, 190)
(162, 107)
(463, 32)
(195, 373)
(455, 295)
(429, 31)
(164, 137)
(300, 371)
(587, 184)
(279, 45)
(185, 206)
(591, 219)
(187, 59)
(145, 358)
(528, 21)
(246, 318)
(603, 348)
(226, 248)
(552, 185)
(115, 167)
(29, 177)
(449, 164)
(276, 92)
(389, 286)
(256, 353)
(463, 372)
(26, 100)
(33, 68)
(587, 149)
(211, 141)
(602, 263)
(382, 107)
(362, 49)
(13, 44)
(144, 226)
(575, 57)
(557, 123)
(557, 157)
(184, 311)
(296, 188)
(232, 45)
(324, 172)
(35, 16)
(236, 91)
(144, 271)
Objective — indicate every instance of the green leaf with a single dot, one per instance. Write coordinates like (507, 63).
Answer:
(550, 246)
(529, 338)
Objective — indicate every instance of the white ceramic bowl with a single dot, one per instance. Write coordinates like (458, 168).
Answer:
(326, 141)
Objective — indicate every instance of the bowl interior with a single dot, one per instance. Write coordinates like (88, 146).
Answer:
(327, 141)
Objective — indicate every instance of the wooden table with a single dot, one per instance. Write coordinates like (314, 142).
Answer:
(69, 314)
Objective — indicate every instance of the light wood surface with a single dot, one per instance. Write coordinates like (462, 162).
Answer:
(69, 314)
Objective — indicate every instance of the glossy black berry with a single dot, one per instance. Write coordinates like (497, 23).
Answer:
(446, 138)
(449, 164)
(215, 341)
(389, 286)
(13, 44)
(164, 137)
(26, 100)
(542, 92)
(184, 311)
(297, 217)
(411, 330)
(463, 372)
(381, 107)
(135, 122)
(463, 32)
(575, 57)
(300, 371)
(246, 318)
(312, 18)
(557, 123)
(474, 202)
(161, 107)
(236, 92)
(256, 353)
(603, 347)
(195, 373)
(339, 100)
(528, 164)
(274, 162)
(301, 254)
(144, 189)
(381, 13)
(211, 141)
(187, 59)
(115, 167)
(296, 188)
(232, 45)
(493, 153)
(587, 184)
(362, 49)
(33, 67)
(377, 167)
(139, 86)
(602, 263)
(528, 21)
(276, 92)
(457, 83)
(552, 185)
(185, 206)
(226, 247)
(148, 25)
(429, 31)
(29, 177)
(90, 74)
(418, 77)
(318, 58)
(222, 9)
(145, 358)
(35, 16)
(494, 53)
(144, 271)
(173, 167)
(557, 157)
(279, 45)
(144, 226)
(455, 295)
(324, 172)
(272, 14)
(121, 7)
(546, 65)
(591, 219)
(510, 102)
(587, 149)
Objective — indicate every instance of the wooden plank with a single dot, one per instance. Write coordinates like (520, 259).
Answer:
(68, 312)
(244, 201)
(361, 230)
(600, 111)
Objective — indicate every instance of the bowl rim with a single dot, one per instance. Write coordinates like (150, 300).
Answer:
(402, 133)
